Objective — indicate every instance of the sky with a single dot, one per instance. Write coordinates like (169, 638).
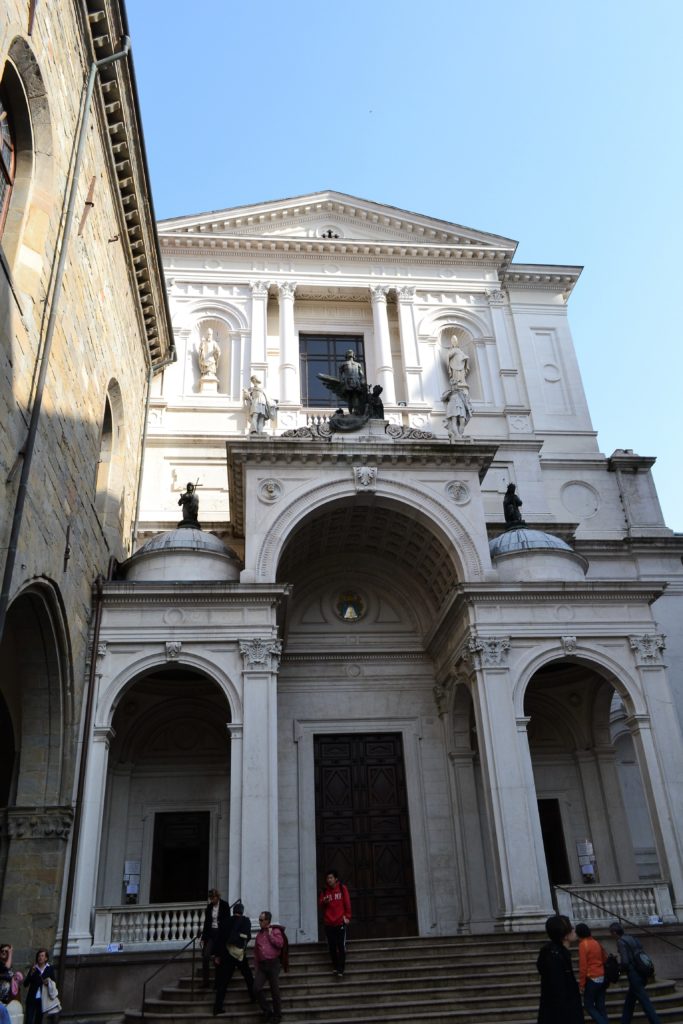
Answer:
(557, 125)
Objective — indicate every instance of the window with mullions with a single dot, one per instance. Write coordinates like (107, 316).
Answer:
(7, 156)
(324, 353)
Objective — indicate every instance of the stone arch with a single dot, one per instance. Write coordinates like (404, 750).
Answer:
(475, 336)
(621, 679)
(190, 314)
(117, 686)
(37, 690)
(230, 329)
(468, 561)
(32, 198)
(109, 485)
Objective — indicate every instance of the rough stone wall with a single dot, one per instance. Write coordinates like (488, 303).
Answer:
(99, 337)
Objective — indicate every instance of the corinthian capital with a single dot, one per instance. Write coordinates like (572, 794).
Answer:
(258, 653)
(487, 651)
(405, 293)
(286, 289)
(258, 287)
(378, 292)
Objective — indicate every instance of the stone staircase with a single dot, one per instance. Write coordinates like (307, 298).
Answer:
(456, 980)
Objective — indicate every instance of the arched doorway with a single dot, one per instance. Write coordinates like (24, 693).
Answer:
(594, 819)
(166, 820)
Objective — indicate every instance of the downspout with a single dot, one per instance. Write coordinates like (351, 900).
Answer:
(80, 785)
(143, 445)
(29, 447)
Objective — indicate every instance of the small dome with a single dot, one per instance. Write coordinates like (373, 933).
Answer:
(183, 554)
(525, 540)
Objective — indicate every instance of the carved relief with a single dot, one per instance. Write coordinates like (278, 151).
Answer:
(365, 477)
(519, 424)
(408, 433)
(379, 292)
(258, 288)
(568, 644)
(269, 491)
(39, 822)
(405, 294)
(458, 491)
(647, 647)
(173, 649)
(286, 289)
(258, 653)
(496, 297)
(488, 652)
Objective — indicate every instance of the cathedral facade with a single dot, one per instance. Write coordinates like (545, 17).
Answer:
(418, 628)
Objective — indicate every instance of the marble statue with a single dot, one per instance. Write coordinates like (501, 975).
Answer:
(208, 354)
(458, 363)
(259, 407)
(189, 500)
(458, 411)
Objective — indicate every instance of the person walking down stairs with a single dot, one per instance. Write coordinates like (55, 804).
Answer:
(336, 904)
(267, 949)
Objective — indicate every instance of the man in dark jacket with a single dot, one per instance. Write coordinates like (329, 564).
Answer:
(560, 996)
(627, 947)
(233, 955)
(216, 921)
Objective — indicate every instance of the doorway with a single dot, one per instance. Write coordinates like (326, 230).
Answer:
(553, 842)
(180, 857)
(363, 829)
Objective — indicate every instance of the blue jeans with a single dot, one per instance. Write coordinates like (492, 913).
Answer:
(636, 992)
(594, 1001)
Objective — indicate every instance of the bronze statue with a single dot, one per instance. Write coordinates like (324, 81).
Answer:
(189, 500)
(511, 506)
(349, 385)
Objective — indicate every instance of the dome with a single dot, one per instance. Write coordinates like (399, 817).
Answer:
(526, 555)
(525, 539)
(183, 554)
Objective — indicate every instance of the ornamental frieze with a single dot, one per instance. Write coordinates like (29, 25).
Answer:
(38, 822)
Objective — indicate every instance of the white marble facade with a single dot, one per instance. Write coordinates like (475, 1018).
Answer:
(546, 675)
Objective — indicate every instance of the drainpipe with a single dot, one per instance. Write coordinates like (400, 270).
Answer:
(143, 445)
(29, 447)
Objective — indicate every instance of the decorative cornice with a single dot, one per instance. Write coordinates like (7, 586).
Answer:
(540, 277)
(37, 822)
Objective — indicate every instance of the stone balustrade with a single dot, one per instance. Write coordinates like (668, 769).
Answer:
(159, 925)
(640, 903)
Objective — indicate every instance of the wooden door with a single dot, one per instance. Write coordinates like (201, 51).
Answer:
(363, 830)
(180, 857)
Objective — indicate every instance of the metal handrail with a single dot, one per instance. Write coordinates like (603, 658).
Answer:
(618, 917)
(193, 943)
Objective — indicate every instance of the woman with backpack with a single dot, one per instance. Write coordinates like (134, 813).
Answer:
(636, 964)
(592, 981)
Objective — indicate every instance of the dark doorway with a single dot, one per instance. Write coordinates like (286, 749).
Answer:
(363, 830)
(553, 842)
(180, 857)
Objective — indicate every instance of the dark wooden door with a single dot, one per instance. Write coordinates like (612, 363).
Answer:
(363, 831)
(180, 857)
(553, 842)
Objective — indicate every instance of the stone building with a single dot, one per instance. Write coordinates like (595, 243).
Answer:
(357, 662)
(72, 411)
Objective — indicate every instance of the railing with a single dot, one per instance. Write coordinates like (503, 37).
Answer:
(597, 905)
(159, 924)
(193, 943)
(317, 417)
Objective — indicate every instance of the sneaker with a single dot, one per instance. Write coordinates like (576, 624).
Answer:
(340, 974)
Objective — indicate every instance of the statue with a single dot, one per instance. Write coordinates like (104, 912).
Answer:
(511, 506)
(458, 411)
(208, 354)
(375, 403)
(190, 503)
(458, 363)
(349, 385)
(258, 405)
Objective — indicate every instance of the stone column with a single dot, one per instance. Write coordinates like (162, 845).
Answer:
(517, 848)
(290, 384)
(511, 384)
(615, 814)
(259, 775)
(599, 830)
(412, 368)
(472, 883)
(80, 934)
(258, 358)
(235, 826)
(385, 368)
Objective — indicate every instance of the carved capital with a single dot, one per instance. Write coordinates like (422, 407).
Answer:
(378, 292)
(647, 647)
(259, 288)
(286, 289)
(38, 822)
(440, 699)
(569, 644)
(487, 651)
(496, 297)
(365, 477)
(261, 653)
(173, 649)
(405, 294)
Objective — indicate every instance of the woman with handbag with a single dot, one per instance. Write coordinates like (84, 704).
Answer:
(36, 977)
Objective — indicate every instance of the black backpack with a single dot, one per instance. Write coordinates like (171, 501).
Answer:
(643, 963)
(612, 969)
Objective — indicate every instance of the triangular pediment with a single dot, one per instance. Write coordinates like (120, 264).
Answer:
(331, 216)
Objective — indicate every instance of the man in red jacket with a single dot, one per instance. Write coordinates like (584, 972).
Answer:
(336, 904)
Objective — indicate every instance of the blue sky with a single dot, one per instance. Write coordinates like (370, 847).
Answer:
(556, 125)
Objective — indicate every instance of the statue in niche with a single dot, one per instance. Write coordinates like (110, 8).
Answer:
(189, 500)
(511, 506)
(458, 363)
(349, 385)
(208, 354)
(260, 409)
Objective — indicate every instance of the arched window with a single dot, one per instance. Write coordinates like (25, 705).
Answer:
(7, 157)
(109, 496)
